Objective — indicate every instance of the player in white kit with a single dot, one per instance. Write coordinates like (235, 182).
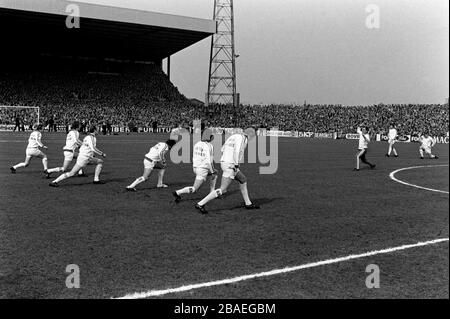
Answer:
(72, 144)
(203, 165)
(364, 140)
(392, 139)
(34, 143)
(154, 159)
(85, 157)
(232, 154)
(426, 143)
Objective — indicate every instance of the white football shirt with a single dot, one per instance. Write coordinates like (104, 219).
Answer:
(158, 152)
(203, 155)
(427, 142)
(233, 149)
(363, 143)
(392, 134)
(88, 147)
(34, 141)
(71, 140)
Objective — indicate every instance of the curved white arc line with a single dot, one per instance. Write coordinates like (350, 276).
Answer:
(391, 175)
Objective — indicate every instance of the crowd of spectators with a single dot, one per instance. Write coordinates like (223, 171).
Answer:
(408, 118)
(128, 99)
(146, 98)
(22, 118)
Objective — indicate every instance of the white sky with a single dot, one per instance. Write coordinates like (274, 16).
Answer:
(321, 51)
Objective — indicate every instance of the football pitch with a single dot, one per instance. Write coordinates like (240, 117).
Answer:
(320, 225)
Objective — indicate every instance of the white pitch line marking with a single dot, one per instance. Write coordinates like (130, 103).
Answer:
(391, 175)
(154, 293)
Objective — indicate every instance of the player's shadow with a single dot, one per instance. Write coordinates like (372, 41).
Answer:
(172, 186)
(258, 201)
(180, 184)
(117, 180)
(90, 182)
(200, 197)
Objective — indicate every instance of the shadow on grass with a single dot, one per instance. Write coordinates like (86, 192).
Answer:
(200, 197)
(258, 201)
(89, 181)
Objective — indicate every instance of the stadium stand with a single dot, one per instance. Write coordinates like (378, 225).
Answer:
(410, 118)
(128, 99)
(140, 99)
(104, 81)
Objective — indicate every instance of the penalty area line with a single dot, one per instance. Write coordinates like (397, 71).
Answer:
(155, 293)
(392, 176)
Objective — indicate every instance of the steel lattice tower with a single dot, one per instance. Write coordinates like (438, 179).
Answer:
(222, 66)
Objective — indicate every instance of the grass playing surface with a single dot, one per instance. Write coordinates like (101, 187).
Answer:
(314, 208)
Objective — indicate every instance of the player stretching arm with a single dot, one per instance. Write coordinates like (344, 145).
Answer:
(364, 140)
(392, 138)
(154, 159)
(86, 157)
(34, 143)
(232, 153)
(203, 164)
(426, 144)
(72, 143)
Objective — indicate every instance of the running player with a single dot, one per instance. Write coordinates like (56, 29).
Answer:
(154, 159)
(392, 139)
(34, 143)
(86, 157)
(72, 143)
(364, 140)
(232, 154)
(426, 143)
(203, 164)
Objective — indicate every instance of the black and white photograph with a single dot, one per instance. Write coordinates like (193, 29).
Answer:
(224, 155)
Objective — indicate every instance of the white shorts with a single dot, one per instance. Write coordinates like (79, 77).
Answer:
(68, 156)
(153, 164)
(229, 170)
(201, 173)
(426, 149)
(84, 161)
(149, 164)
(392, 141)
(34, 152)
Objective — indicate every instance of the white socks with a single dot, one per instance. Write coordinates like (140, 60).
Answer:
(391, 148)
(61, 169)
(55, 170)
(19, 165)
(98, 169)
(244, 192)
(60, 178)
(160, 177)
(137, 182)
(186, 190)
(214, 194)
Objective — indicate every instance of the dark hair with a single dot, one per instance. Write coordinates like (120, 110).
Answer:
(75, 125)
(171, 143)
(92, 129)
(207, 135)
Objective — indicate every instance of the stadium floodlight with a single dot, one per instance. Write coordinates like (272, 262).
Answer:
(222, 66)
